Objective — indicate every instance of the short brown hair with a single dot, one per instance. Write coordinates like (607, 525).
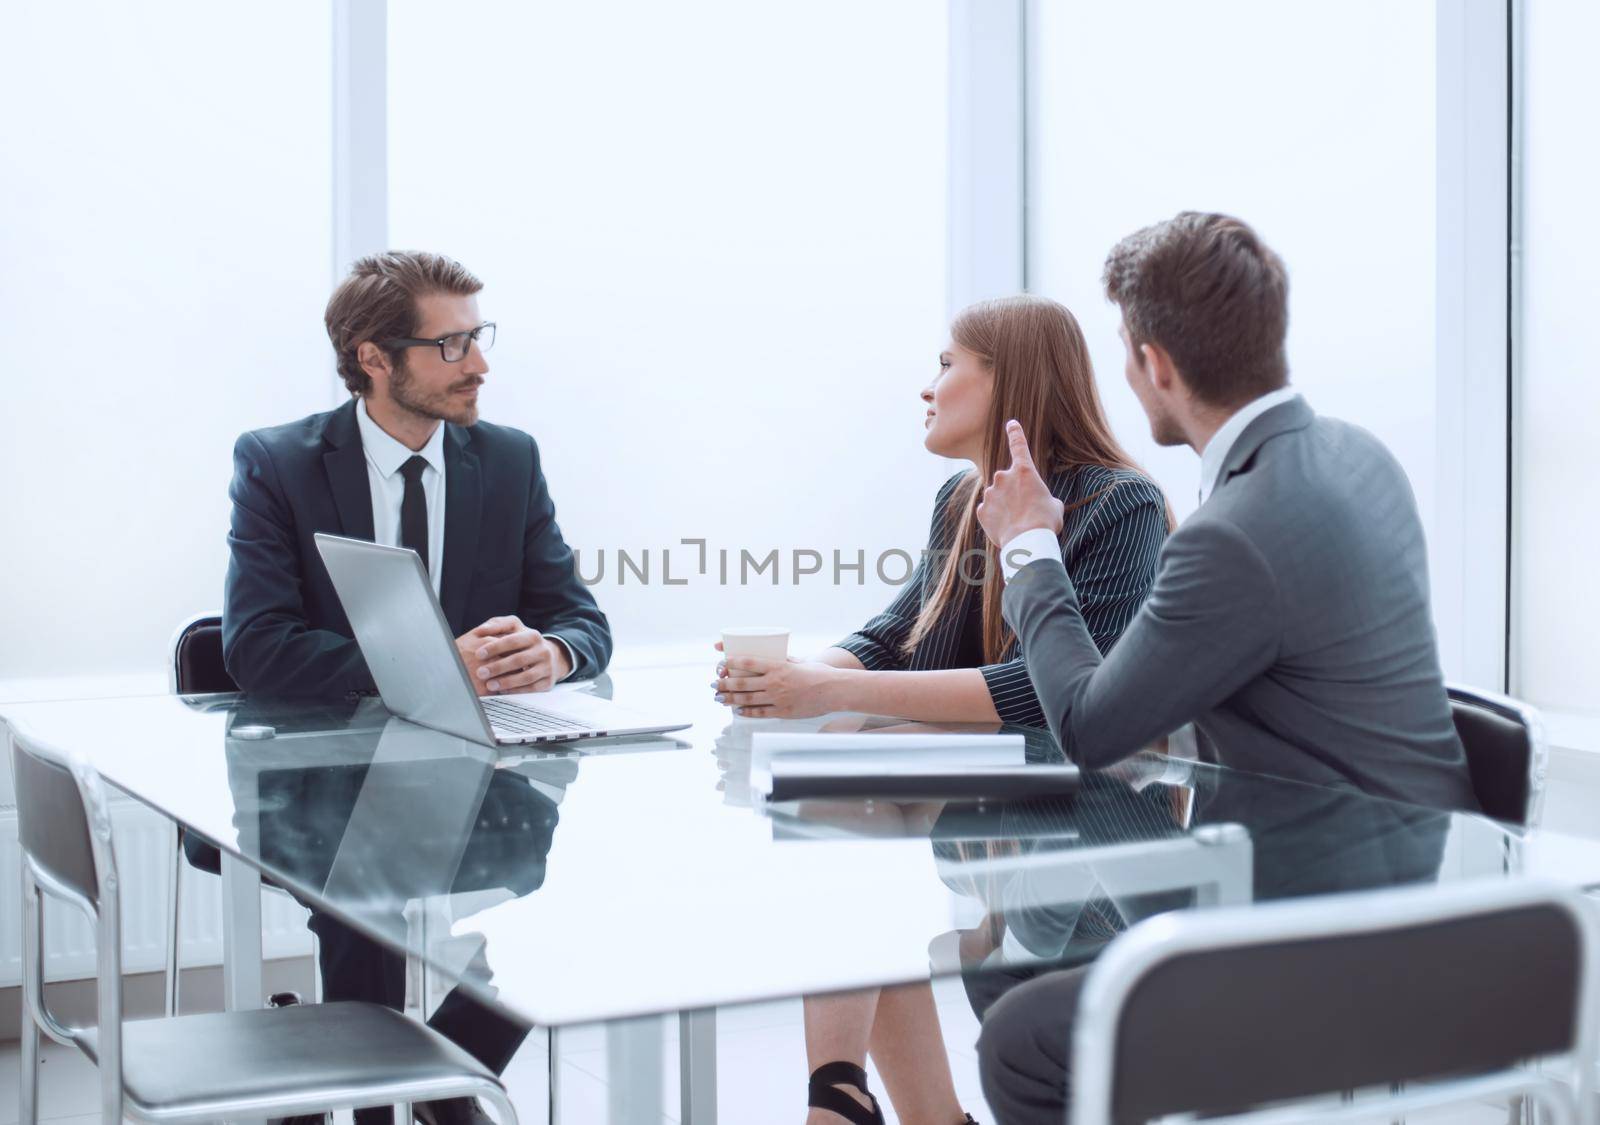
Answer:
(378, 301)
(1213, 296)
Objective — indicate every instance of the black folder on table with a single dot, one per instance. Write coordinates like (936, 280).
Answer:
(798, 779)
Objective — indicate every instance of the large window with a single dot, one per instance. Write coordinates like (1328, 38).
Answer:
(165, 262)
(713, 236)
(1558, 459)
(1313, 122)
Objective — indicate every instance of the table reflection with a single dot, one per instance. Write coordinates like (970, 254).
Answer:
(395, 822)
(1059, 878)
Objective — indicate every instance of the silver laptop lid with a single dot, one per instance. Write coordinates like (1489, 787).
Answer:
(402, 632)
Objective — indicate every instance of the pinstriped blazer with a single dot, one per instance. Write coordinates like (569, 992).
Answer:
(1115, 523)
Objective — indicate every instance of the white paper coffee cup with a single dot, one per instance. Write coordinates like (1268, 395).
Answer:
(755, 642)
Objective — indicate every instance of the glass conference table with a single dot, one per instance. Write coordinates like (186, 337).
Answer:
(639, 877)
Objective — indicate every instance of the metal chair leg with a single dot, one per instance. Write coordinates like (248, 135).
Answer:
(110, 1098)
(554, 1063)
(174, 903)
(29, 1083)
(32, 997)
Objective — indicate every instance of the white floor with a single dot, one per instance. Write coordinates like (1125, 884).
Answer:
(761, 1066)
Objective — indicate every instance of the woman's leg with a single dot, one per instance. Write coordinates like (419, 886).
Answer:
(908, 1049)
(900, 1025)
(838, 1027)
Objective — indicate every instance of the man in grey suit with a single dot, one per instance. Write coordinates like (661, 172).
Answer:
(1289, 618)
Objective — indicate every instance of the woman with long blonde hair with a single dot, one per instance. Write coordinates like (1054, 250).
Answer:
(942, 652)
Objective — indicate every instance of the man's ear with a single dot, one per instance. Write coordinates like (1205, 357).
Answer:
(372, 360)
(1159, 367)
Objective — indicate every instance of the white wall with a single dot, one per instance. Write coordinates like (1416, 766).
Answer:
(1557, 661)
(1313, 122)
(163, 266)
(713, 236)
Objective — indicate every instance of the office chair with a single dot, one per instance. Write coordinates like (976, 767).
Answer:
(197, 667)
(1506, 753)
(1266, 1013)
(227, 1065)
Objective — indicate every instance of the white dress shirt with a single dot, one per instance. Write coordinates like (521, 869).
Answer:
(1216, 451)
(1040, 542)
(385, 455)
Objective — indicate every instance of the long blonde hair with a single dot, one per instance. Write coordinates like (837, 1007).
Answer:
(1044, 379)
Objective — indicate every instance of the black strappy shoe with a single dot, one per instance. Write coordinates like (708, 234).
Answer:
(824, 1096)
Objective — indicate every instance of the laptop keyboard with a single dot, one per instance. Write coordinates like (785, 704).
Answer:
(513, 718)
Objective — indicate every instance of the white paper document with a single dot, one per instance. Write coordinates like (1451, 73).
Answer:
(878, 754)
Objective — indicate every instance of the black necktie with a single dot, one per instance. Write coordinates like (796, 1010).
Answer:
(414, 510)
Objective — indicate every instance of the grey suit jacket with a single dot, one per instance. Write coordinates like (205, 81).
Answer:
(1289, 620)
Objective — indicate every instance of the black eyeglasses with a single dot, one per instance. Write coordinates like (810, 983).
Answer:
(452, 348)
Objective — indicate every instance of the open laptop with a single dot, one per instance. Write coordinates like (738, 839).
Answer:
(403, 633)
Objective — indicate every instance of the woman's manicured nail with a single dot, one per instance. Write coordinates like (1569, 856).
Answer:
(494, 685)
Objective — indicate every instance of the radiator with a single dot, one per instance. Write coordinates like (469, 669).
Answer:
(144, 845)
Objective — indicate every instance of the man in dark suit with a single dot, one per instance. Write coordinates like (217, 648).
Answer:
(406, 462)
(1289, 618)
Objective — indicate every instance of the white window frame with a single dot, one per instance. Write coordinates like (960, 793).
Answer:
(987, 203)
(1473, 332)
(360, 139)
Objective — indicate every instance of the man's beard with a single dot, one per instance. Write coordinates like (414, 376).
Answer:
(1168, 432)
(442, 406)
(1165, 429)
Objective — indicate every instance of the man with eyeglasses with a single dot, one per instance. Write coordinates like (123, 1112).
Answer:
(405, 462)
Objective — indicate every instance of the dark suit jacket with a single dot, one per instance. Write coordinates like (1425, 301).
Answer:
(1289, 619)
(283, 630)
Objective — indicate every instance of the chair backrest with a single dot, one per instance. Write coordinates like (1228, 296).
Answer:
(1223, 1010)
(1506, 753)
(64, 827)
(53, 821)
(197, 665)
